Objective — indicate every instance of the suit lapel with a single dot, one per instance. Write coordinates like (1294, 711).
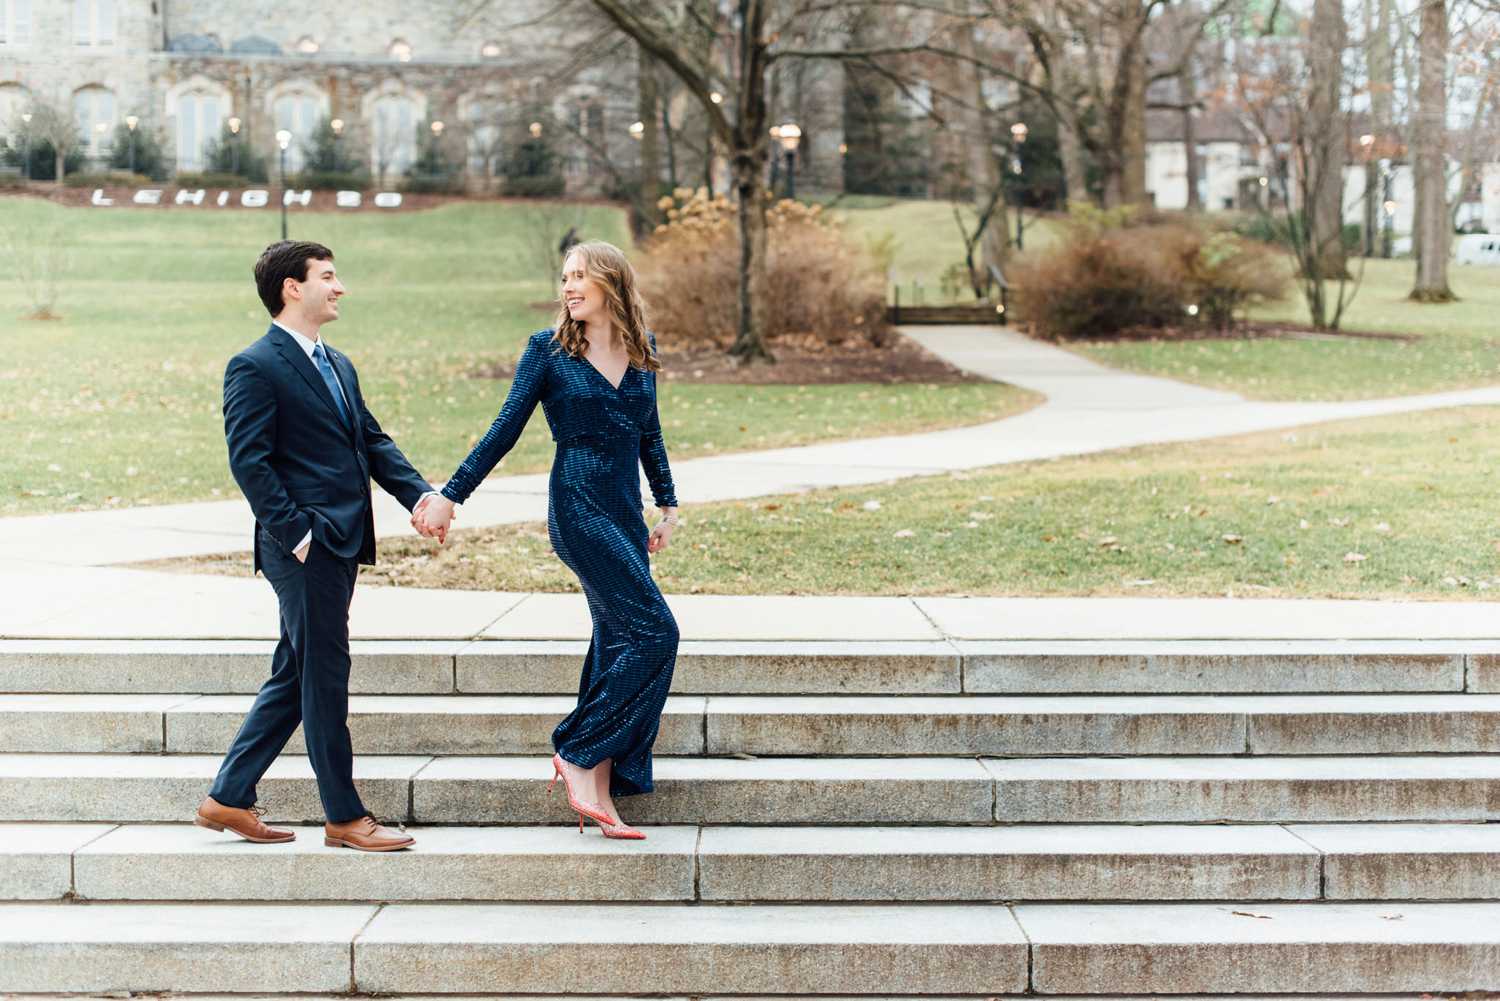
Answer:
(292, 352)
(344, 369)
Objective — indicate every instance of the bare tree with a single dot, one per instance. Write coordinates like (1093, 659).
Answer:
(51, 123)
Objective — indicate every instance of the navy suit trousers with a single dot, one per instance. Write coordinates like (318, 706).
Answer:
(309, 683)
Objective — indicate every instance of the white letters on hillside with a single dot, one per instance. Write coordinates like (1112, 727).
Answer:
(253, 198)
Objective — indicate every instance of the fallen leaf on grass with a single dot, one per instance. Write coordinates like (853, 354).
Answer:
(1233, 539)
(905, 533)
(1355, 557)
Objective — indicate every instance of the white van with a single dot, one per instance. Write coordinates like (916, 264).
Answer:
(1477, 248)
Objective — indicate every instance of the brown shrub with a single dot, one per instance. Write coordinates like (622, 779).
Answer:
(1108, 276)
(821, 288)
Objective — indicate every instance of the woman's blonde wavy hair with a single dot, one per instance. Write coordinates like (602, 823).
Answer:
(606, 264)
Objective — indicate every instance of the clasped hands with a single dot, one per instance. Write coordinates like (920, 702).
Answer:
(432, 517)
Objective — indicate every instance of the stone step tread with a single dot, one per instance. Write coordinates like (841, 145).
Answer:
(685, 862)
(568, 948)
(810, 705)
(690, 949)
(784, 667)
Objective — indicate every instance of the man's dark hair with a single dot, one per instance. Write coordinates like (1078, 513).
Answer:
(282, 260)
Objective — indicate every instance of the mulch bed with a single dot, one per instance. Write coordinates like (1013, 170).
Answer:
(800, 363)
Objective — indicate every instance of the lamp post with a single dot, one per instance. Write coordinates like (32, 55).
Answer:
(131, 121)
(26, 141)
(100, 128)
(1388, 231)
(1367, 147)
(234, 144)
(790, 135)
(283, 140)
(1018, 133)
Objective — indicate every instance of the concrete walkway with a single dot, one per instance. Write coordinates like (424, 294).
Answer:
(53, 576)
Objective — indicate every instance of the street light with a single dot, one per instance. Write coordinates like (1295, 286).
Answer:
(637, 130)
(1018, 133)
(716, 97)
(283, 140)
(437, 129)
(131, 121)
(790, 135)
(536, 130)
(234, 145)
(337, 125)
(1389, 230)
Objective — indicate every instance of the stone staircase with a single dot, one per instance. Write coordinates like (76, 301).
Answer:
(945, 818)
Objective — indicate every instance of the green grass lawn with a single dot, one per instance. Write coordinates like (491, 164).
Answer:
(1397, 507)
(926, 240)
(118, 402)
(1457, 345)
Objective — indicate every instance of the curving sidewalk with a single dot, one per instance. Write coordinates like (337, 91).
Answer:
(54, 566)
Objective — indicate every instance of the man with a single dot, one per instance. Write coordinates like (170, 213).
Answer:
(303, 448)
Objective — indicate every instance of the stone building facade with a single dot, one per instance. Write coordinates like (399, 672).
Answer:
(384, 73)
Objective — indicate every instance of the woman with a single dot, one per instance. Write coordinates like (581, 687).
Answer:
(595, 376)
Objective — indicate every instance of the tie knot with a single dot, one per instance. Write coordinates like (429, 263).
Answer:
(318, 349)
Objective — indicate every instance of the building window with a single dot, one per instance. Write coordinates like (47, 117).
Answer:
(394, 147)
(15, 22)
(94, 114)
(401, 51)
(482, 117)
(94, 22)
(489, 50)
(298, 113)
(14, 100)
(200, 118)
(307, 45)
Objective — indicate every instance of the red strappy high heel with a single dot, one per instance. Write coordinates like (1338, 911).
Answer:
(583, 809)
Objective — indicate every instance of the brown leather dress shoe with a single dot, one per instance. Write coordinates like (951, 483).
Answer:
(366, 835)
(245, 822)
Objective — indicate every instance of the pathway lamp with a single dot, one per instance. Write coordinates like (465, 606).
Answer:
(1018, 134)
(234, 144)
(283, 140)
(790, 135)
(716, 97)
(337, 125)
(131, 121)
(536, 130)
(637, 130)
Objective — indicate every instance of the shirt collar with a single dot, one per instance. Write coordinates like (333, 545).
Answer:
(303, 341)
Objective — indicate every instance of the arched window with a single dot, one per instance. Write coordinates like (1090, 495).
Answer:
(14, 100)
(197, 109)
(15, 22)
(400, 51)
(483, 115)
(94, 113)
(94, 22)
(298, 108)
(394, 136)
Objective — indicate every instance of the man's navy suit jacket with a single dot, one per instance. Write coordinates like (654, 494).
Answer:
(299, 463)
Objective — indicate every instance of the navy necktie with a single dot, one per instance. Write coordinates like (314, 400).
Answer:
(321, 357)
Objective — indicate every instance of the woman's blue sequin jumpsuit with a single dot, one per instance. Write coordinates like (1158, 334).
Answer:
(604, 436)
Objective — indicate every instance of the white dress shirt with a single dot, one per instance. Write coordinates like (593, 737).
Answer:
(307, 344)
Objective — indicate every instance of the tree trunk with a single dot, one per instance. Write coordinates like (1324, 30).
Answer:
(1188, 92)
(749, 164)
(1326, 141)
(983, 168)
(1434, 230)
(1133, 131)
(647, 97)
(1070, 151)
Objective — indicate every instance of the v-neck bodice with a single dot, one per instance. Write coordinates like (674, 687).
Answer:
(580, 403)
